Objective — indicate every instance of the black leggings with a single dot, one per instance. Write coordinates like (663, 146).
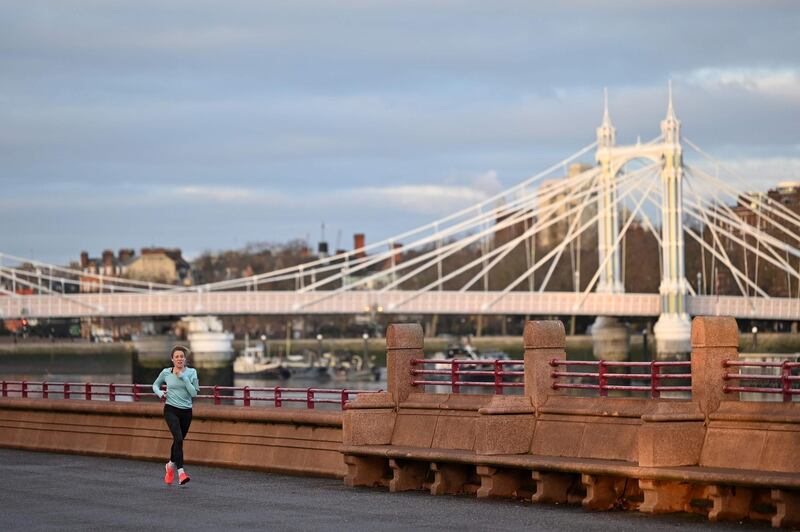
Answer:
(178, 421)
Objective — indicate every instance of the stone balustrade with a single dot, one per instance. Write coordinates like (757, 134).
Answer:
(710, 454)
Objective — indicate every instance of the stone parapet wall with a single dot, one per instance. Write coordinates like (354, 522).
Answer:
(285, 441)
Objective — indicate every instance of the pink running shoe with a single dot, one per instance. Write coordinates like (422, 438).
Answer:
(169, 476)
(183, 478)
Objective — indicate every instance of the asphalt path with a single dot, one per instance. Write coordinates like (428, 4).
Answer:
(43, 491)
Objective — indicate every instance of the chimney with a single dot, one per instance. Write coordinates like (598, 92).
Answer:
(322, 250)
(398, 257)
(173, 253)
(84, 259)
(108, 257)
(358, 244)
(125, 254)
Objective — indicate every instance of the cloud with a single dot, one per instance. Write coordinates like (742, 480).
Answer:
(221, 194)
(487, 182)
(760, 174)
(408, 199)
(780, 82)
(418, 199)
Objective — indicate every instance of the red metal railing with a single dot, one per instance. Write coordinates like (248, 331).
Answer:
(498, 377)
(276, 396)
(782, 380)
(602, 376)
(74, 390)
(237, 395)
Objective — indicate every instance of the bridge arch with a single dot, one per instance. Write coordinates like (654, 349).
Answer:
(618, 162)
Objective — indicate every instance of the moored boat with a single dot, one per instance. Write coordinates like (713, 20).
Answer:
(252, 363)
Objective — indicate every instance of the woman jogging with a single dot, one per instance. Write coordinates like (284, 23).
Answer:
(182, 385)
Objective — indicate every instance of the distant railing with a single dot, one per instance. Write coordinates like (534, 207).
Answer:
(781, 381)
(600, 379)
(276, 395)
(451, 372)
(245, 396)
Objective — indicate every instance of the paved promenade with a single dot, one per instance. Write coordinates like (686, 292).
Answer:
(40, 491)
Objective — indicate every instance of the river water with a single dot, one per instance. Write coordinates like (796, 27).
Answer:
(112, 363)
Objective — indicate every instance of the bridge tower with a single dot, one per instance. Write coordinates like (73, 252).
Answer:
(609, 337)
(608, 220)
(673, 329)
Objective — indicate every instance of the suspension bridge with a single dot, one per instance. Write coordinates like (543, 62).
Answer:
(486, 259)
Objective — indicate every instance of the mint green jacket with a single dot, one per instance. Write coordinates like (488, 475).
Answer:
(180, 390)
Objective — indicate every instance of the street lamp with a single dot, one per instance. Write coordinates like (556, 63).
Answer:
(264, 346)
(319, 346)
(365, 336)
(645, 348)
(754, 330)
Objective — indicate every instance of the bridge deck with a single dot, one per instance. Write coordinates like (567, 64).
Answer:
(393, 302)
(42, 491)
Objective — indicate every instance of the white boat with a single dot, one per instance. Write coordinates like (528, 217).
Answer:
(252, 363)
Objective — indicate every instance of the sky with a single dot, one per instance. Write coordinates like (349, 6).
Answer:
(208, 125)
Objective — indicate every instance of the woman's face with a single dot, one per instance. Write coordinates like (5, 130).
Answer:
(178, 359)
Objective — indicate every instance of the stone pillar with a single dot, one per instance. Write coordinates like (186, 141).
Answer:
(544, 341)
(404, 342)
(370, 419)
(714, 339)
(787, 505)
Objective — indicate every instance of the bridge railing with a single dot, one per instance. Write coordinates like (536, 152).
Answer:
(780, 379)
(641, 377)
(245, 396)
(455, 373)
